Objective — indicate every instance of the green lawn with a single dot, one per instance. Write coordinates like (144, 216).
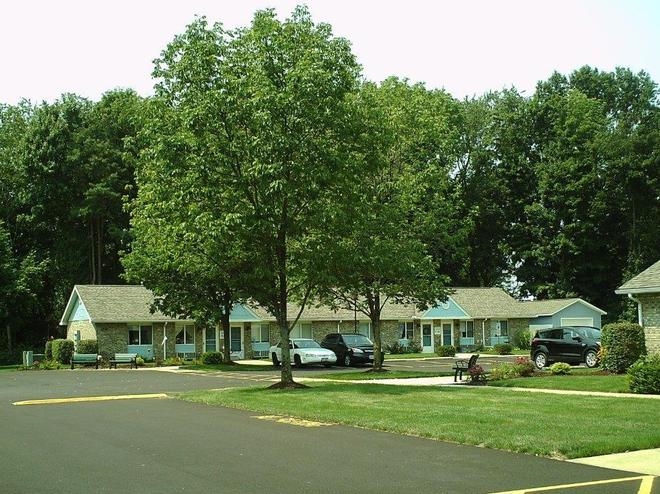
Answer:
(390, 374)
(559, 426)
(578, 382)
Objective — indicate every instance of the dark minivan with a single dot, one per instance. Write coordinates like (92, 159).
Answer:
(570, 344)
(351, 349)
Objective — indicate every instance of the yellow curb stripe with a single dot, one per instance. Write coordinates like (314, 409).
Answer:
(644, 488)
(81, 399)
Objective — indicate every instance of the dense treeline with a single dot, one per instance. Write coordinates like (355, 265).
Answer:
(552, 195)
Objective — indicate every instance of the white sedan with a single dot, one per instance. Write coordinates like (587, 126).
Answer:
(304, 351)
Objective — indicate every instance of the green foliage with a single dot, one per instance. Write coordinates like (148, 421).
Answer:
(622, 344)
(172, 361)
(446, 351)
(212, 358)
(63, 350)
(49, 365)
(503, 349)
(139, 361)
(88, 346)
(644, 375)
(522, 367)
(477, 375)
(523, 339)
(48, 350)
(560, 368)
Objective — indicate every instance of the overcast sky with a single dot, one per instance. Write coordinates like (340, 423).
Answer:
(87, 47)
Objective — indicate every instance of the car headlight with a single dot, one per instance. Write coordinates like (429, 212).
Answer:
(357, 350)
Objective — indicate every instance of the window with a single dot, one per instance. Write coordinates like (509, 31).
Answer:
(406, 330)
(186, 335)
(210, 341)
(140, 335)
(500, 328)
(365, 329)
(467, 329)
(260, 333)
(302, 330)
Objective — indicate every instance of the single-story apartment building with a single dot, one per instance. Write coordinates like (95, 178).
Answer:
(644, 289)
(121, 320)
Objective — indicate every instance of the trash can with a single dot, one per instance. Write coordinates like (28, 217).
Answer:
(28, 358)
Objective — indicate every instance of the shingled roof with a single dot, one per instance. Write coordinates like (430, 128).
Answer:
(648, 281)
(485, 302)
(115, 303)
(536, 308)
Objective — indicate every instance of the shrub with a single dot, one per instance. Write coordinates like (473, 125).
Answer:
(414, 346)
(523, 339)
(88, 346)
(446, 351)
(48, 350)
(212, 358)
(63, 351)
(173, 361)
(139, 361)
(521, 367)
(395, 348)
(477, 375)
(645, 375)
(503, 349)
(623, 344)
(560, 368)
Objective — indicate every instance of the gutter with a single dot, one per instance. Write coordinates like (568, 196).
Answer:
(639, 308)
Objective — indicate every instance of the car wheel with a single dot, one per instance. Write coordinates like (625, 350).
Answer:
(276, 361)
(347, 360)
(327, 366)
(540, 360)
(296, 360)
(591, 359)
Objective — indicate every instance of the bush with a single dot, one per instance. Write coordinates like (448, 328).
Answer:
(645, 375)
(395, 348)
(62, 351)
(477, 375)
(48, 350)
(622, 343)
(503, 349)
(523, 339)
(88, 346)
(560, 368)
(173, 361)
(139, 361)
(522, 367)
(446, 351)
(414, 346)
(212, 358)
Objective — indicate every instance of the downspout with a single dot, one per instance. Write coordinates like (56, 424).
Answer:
(483, 332)
(639, 308)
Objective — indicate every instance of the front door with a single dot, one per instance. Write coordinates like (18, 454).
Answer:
(427, 337)
(236, 342)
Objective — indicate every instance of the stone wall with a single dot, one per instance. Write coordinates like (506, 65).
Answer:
(86, 328)
(112, 338)
(651, 320)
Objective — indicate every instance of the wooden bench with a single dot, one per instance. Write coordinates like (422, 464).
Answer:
(124, 358)
(461, 366)
(86, 359)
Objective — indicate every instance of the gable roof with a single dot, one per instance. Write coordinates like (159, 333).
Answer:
(537, 308)
(648, 281)
(481, 303)
(115, 303)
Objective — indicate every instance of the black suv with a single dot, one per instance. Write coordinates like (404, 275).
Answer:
(350, 349)
(570, 344)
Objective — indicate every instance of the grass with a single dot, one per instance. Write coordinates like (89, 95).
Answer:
(580, 381)
(557, 426)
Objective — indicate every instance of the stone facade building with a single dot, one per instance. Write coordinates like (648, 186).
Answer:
(644, 289)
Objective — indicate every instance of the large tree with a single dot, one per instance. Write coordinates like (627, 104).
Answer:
(264, 115)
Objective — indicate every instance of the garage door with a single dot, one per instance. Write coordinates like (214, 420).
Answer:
(577, 321)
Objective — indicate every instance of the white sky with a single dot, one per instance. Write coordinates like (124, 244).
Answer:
(87, 47)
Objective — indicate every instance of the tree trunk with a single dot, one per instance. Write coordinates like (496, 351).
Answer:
(375, 324)
(226, 337)
(286, 378)
(9, 340)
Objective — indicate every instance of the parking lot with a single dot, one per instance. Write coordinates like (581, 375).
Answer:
(158, 444)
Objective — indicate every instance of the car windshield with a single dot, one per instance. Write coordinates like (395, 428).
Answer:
(306, 344)
(356, 339)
